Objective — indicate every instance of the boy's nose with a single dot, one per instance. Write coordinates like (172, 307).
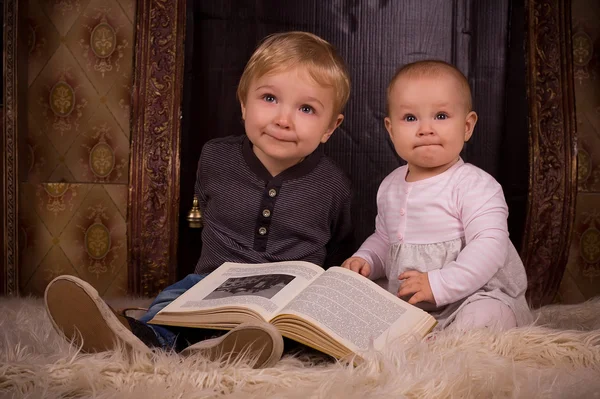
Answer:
(282, 123)
(283, 119)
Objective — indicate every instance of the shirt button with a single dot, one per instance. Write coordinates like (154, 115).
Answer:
(266, 213)
(402, 212)
(400, 237)
(272, 192)
(262, 231)
(407, 190)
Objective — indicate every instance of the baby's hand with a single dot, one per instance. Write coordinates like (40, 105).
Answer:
(415, 284)
(358, 265)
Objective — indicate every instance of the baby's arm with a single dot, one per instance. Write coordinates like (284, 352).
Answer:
(483, 211)
(415, 287)
(375, 248)
(358, 265)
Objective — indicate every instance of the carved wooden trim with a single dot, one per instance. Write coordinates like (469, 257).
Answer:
(10, 143)
(154, 187)
(153, 204)
(552, 145)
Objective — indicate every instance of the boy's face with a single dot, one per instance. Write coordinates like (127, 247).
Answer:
(429, 123)
(287, 115)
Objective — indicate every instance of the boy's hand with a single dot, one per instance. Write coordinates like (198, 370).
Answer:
(416, 284)
(358, 265)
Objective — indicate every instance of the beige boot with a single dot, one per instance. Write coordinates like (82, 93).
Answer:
(258, 340)
(79, 314)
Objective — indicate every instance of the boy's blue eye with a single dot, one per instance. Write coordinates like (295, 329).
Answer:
(269, 98)
(306, 109)
(441, 116)
(410, 118)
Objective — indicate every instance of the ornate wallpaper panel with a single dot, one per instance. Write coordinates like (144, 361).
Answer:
(582, 277)
(73, 205)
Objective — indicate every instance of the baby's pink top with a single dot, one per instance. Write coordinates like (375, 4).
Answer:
(463, 201)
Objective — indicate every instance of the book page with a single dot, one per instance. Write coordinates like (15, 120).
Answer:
(264, 288)
(356, 311)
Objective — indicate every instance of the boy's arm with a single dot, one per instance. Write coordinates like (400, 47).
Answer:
(200, 182)
(342, 242)
(483, 210)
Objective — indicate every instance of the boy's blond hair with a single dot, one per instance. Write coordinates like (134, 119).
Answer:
(434, 69)
(281, 51)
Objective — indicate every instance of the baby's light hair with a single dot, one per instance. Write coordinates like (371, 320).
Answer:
(281, 51)
(434, 69)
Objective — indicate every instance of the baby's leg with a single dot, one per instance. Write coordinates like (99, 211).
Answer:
(488, 313)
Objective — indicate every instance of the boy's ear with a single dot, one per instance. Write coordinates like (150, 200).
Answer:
(470, 122)
(243, 111)
(331, 129)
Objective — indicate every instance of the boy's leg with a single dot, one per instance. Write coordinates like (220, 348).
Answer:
(484, 313)
(168, 336)
(77, 312)
(258, 339)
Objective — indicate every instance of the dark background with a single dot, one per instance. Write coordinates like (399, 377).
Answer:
(484, 39)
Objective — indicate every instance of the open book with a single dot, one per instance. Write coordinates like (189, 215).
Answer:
(336, 311)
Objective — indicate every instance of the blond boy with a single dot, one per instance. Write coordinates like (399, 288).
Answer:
(268, 196)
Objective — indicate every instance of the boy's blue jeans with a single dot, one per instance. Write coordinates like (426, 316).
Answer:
(167, 336)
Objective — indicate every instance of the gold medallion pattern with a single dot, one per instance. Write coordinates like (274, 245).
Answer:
(582, 49)
(589, 245)
(62, 99)
(584, 165)
(67, 99)
(97, 240)
(102, 159)
(103, 40)
(56, 190)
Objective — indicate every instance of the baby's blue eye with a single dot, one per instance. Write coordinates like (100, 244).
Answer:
(269, 98)
(306, 109)
(410, 118)
(441, 116)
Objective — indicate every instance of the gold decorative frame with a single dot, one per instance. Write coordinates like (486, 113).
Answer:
(11, 130)
(155, 162)
(153, 206)
(552, 147)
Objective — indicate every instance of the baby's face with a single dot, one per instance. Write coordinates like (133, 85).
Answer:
(429, 123)
(287, 115)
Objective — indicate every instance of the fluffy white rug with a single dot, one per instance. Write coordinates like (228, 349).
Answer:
(558, 357)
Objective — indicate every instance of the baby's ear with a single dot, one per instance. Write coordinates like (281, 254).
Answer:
(388, 125)
(470, 122)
